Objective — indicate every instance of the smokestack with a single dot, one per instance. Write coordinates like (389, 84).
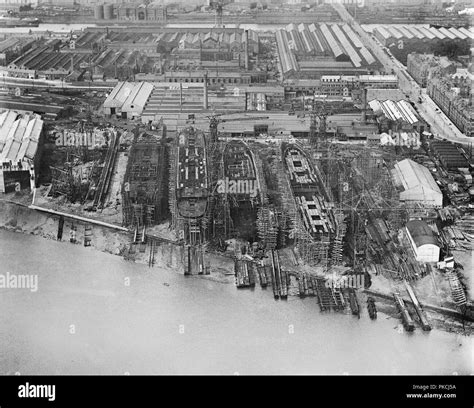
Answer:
(180, 94)
(72, 63)
(205, 92)
(246, 50)
(364, 105)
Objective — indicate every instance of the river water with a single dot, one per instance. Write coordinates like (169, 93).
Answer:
(84, 319)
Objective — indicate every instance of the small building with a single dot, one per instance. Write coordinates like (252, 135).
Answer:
(20, 139)
(418, 187)
(128, 99)
(423, 241)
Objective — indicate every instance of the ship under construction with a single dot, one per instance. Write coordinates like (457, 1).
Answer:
(314, 206)
(189, 182)
(144, 193)
(238, 192)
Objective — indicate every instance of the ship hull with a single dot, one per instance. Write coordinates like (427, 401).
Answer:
(240, 173)
(191, 180)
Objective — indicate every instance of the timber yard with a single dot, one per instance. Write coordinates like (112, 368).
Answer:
(329, 159)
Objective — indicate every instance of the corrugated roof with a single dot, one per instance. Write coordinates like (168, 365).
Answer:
(413, 175)
(336, 50)
(352, 36)
(415, 32)
(447, 33)
(356, 60)
(408, 111)
(367, 55)
(7, 119)
(395, 33)
(466, 32)
(395, 110)
(458, 33)
(428, 33)
(406, 33)
(22, 136)
(139, 96)
(421, 233)
(385, 34)
(318, 41)
(437, 33)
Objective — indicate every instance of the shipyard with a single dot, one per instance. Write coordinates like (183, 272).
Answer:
(328, 161)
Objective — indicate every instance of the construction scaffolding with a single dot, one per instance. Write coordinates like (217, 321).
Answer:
(143, 192)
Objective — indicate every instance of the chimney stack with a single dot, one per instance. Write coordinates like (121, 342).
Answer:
(246, 50)
(364, 106)
(205, 92)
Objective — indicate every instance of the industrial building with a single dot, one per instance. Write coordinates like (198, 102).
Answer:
(175, 101)
(141, 12)
(311, 51)
(397, 115)
(418, 187)
(403, 40)
(128, 99)
(423, 241)
(449, 155)
(20, 141)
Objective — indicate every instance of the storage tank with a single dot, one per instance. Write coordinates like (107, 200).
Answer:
(108, 11)
(99, 12)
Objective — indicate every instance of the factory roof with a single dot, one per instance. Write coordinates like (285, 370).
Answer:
(395, 110)
(138, 96)
(466, 32)
(346, 45)
(406, 33)
(458, 33)
(394, 32)
(19, 138)
(427, 33)
(352, 36)
(437, 33)
(416, 32)
(411, 175)
(367, 55)
(421, 233)
(447, 33)
(336, 50)
(127, 93)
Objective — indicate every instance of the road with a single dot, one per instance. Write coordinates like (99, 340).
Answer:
(441, 125)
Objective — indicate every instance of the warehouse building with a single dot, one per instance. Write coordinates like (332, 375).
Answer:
(20, 140)
(141, 12)
(448, 154)
(399, 115)
(403, 40)
(418, 186)
(311, 51)
(423, 241)
(128, 99)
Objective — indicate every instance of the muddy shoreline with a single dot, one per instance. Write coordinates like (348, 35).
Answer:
(19, 218)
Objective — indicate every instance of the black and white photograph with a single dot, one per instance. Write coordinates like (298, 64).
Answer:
(236, 188)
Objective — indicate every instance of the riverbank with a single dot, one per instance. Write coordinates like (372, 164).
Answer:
(93, 313)
(18, 217)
